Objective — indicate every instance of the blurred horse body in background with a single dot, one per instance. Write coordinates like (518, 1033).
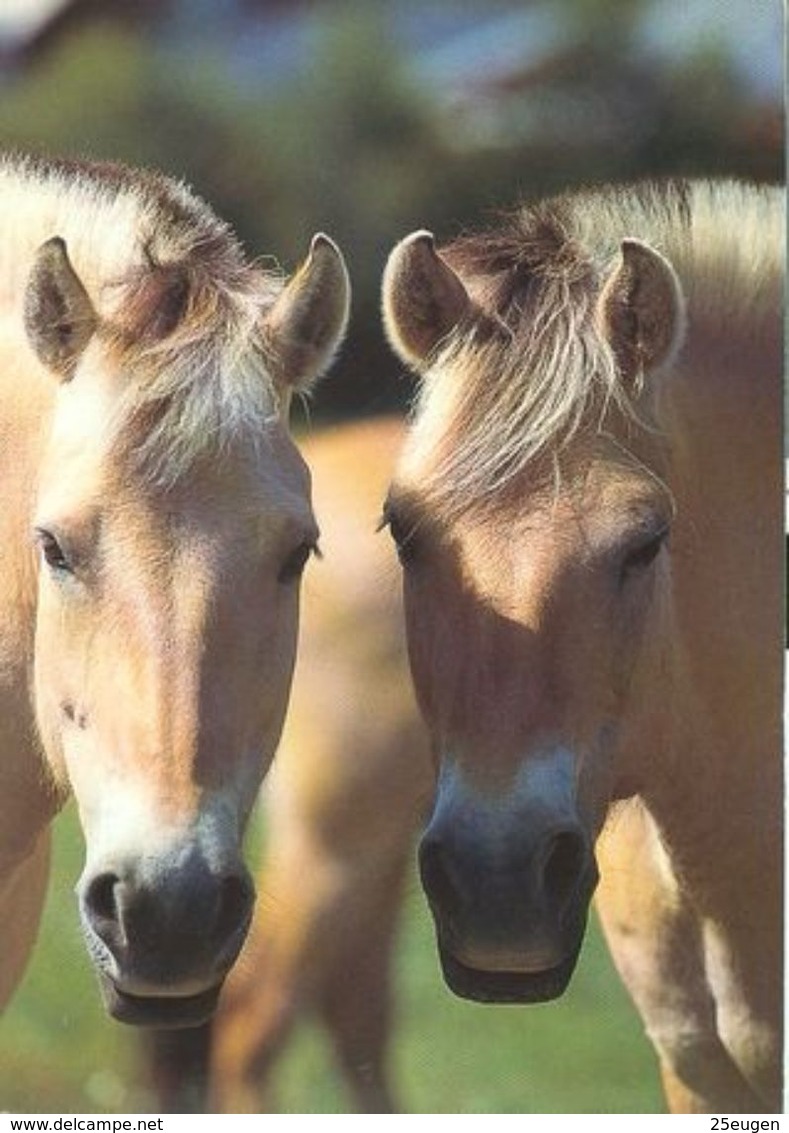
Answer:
(588, 512)
(146, 651)
(342, 804)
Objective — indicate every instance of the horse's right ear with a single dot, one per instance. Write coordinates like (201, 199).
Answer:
(423, 299)
(59, 316)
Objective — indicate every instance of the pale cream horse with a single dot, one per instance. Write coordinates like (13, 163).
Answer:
(588, 511)
(155, 520)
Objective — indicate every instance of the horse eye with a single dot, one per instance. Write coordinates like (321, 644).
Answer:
(643, 555)
(403, 534)
(52, 552)
(293, 567)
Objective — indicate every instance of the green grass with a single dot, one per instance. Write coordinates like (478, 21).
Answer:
(585, 1053)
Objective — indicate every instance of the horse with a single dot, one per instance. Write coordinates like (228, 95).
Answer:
(587, 510)
(156, 521)
(342, 805)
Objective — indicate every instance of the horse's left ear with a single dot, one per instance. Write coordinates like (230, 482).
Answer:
(642, 311)
(304, 328)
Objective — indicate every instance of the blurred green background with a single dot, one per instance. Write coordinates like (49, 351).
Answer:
(368, 119)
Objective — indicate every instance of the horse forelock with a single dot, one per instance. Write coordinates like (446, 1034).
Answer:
(516, 385)
(512, 387)
(189, 337)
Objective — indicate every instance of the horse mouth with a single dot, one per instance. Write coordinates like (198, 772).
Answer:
(506, 987)
(165, 1012)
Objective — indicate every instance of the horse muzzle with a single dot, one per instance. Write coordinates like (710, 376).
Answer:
(163, 936)
(164, 1012)
(484, 986)
(510, 912)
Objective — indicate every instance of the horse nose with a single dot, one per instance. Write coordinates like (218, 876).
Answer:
(532, 886)
(164, 927)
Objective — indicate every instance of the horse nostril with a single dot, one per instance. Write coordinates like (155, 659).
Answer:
(236, 898)
(435, 871)
(100, 899)
(564, 866)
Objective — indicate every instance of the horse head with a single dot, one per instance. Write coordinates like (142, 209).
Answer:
(173, 520)
(532, 523)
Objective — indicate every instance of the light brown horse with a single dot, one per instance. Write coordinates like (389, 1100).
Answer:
(588, 512)
(155, 520)
(349, 786)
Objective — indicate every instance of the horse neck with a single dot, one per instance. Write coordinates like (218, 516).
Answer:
(720, 807)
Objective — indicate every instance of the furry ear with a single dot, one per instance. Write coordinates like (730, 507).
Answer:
(642, 311)
(423, 299)
(306, 325)
(59, 316)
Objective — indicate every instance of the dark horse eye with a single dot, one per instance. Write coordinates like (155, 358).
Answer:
(52, 552)
(293, 567)
(403, 534)
(643, 555)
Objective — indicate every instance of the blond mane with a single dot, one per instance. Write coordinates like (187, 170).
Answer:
(518, 384)
(179, 305)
